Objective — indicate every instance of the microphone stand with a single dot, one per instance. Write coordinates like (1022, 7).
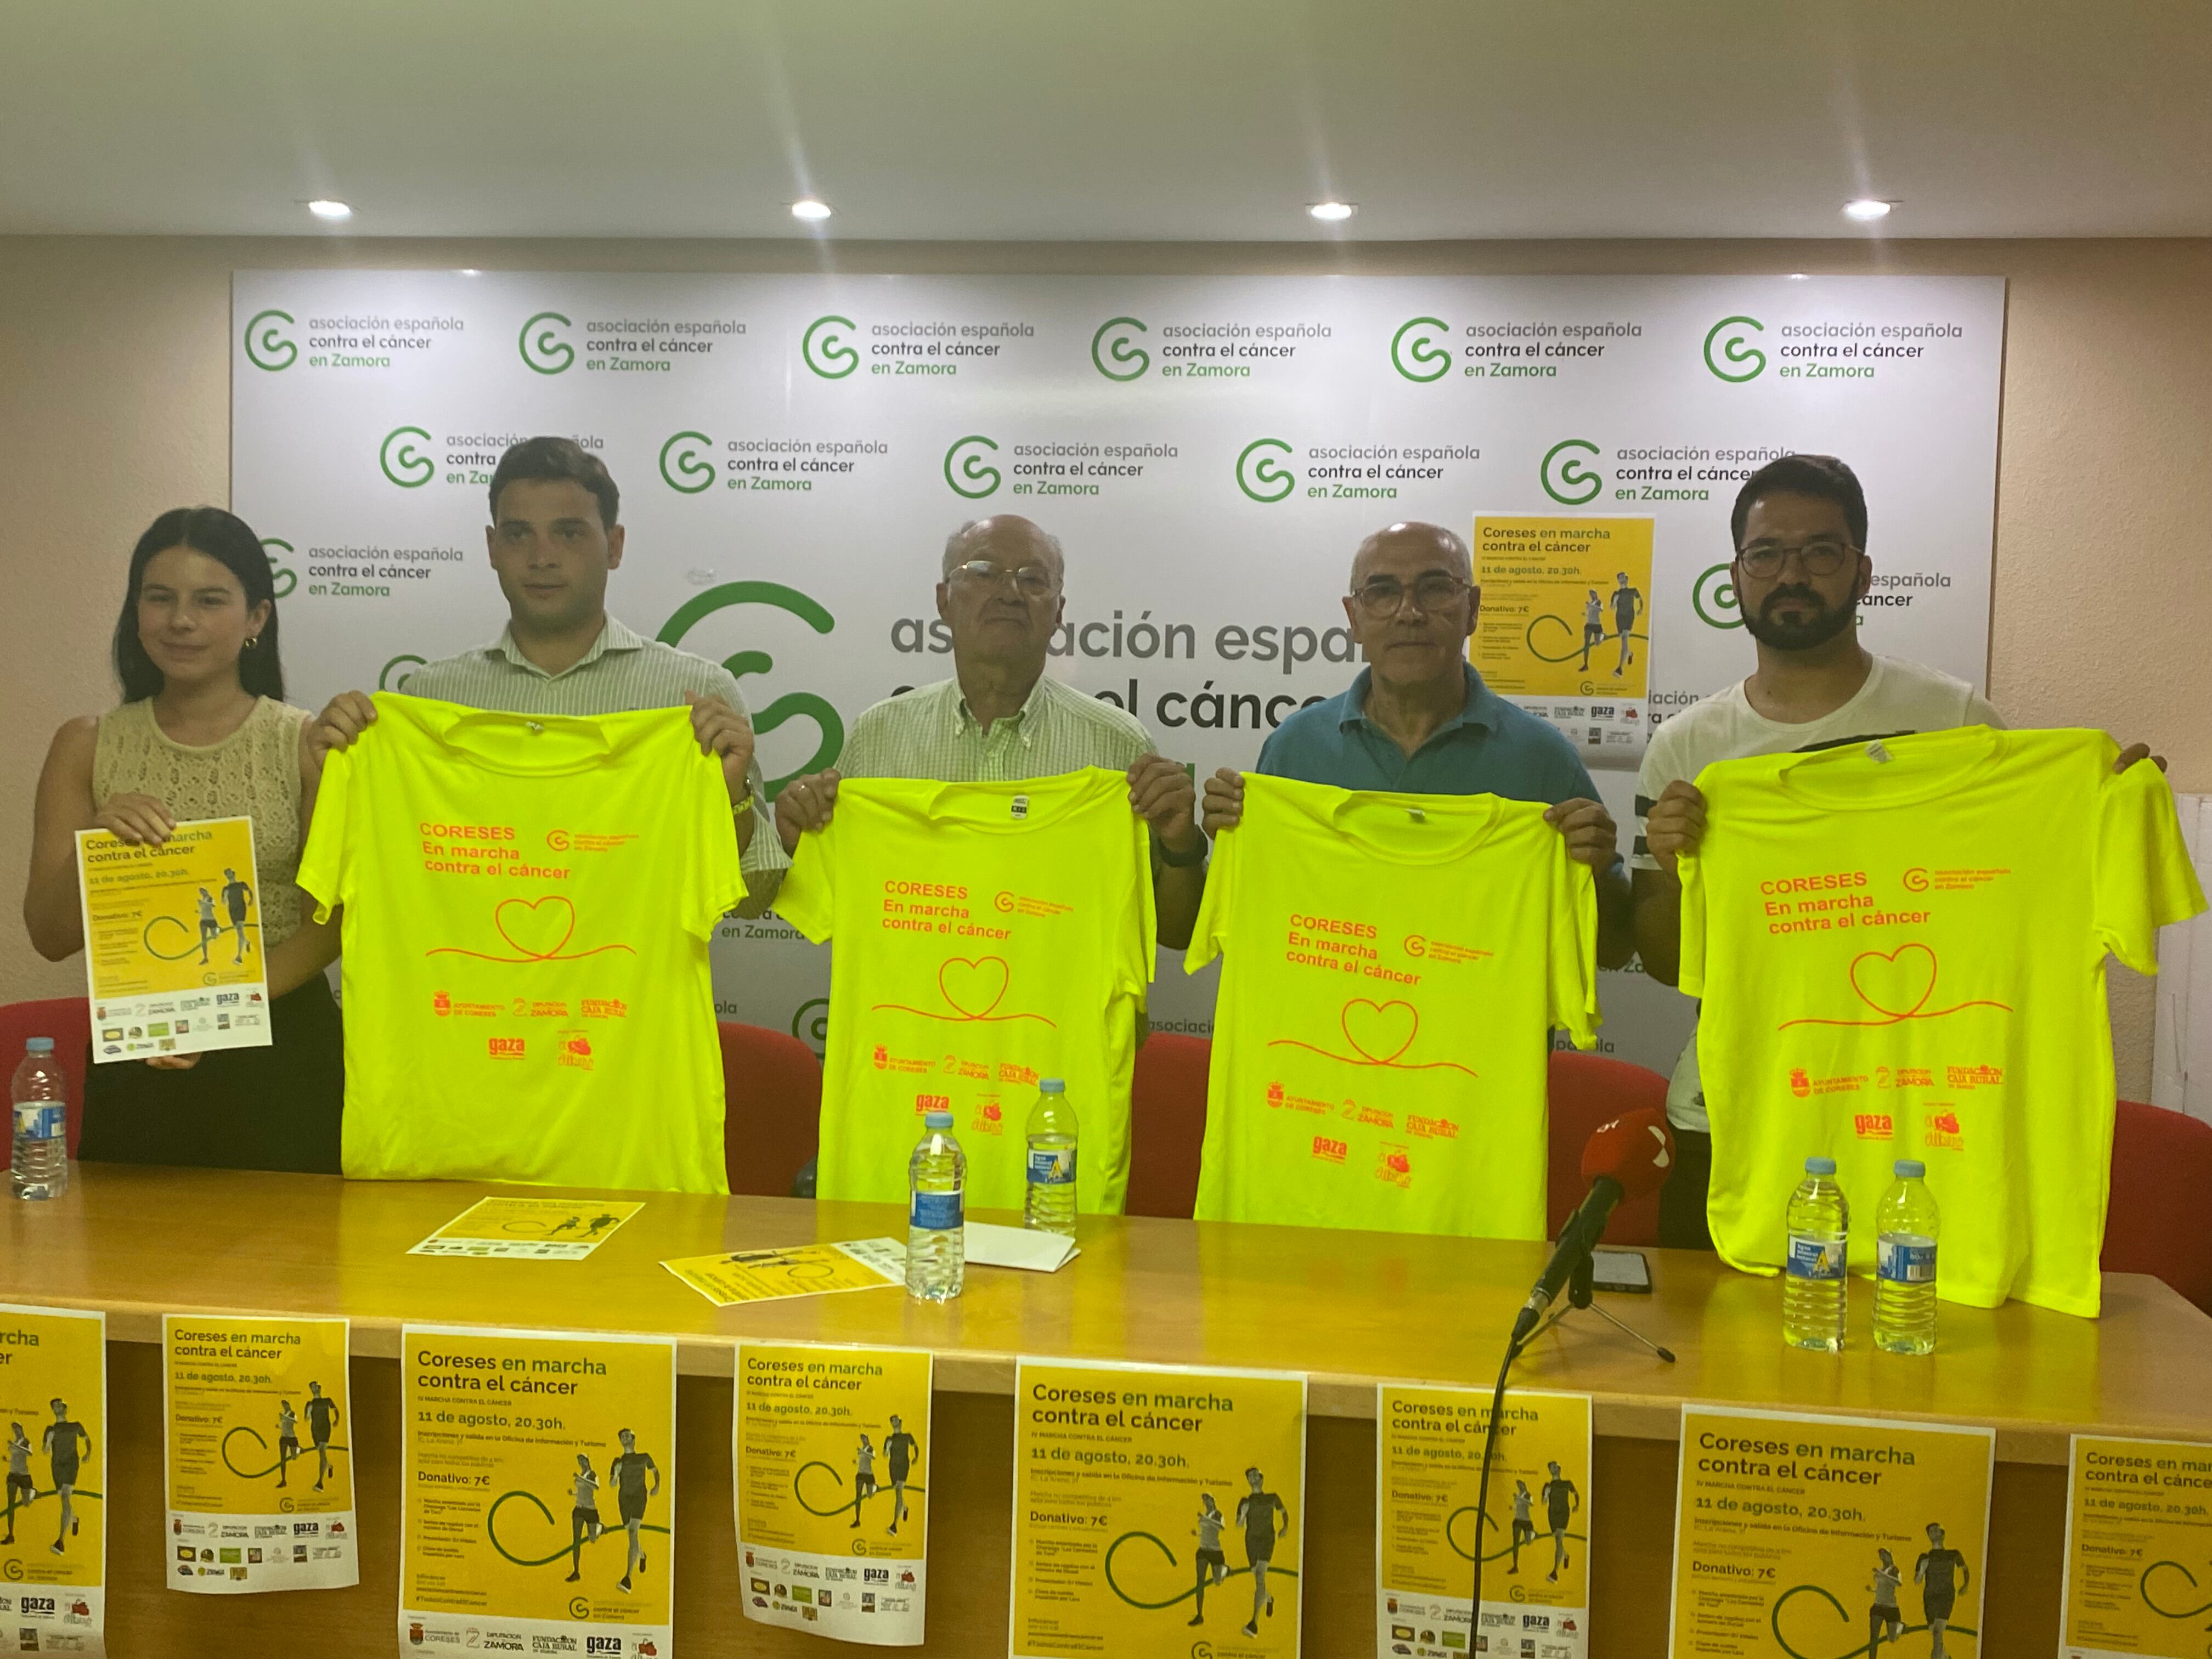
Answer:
(1581, 1293)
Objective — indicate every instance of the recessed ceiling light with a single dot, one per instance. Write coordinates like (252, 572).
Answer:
(1799, 276)
(1866, 209)
(810, 208)
(470, 271)
(322, 208)
(1333, 212)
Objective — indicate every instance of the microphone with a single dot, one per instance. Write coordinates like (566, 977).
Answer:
(1629, 1157)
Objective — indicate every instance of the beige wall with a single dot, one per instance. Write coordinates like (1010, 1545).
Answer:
(115, 389)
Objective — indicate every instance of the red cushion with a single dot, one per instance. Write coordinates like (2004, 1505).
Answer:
(2157, 1222)
(1167, 1107)
(772, 1104)
(1589, 1092)
(68, 1020)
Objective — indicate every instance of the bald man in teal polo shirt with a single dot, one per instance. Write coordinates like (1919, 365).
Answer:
(1420, 721)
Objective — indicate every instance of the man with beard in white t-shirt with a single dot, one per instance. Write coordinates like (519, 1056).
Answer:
(1799, 572)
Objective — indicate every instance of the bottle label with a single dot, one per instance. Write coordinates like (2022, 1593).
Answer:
(937, 1213)
(40, 1120)
(1052, 1166)
(1816, 1255)
(1906, 1260)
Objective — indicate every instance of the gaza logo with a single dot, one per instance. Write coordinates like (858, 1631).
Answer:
(1738, 359)
(682, 467)
(1562, 475)
(968, 469)
(401, 461)
(827, 350)
(1260, 472)
(267, 345)
(1415, 352)
(544, 349)
(1114, 351)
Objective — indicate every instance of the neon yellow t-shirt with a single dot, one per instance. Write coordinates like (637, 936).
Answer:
(1901, 949)
(1395, 965)
(528, 900)
(987, 935)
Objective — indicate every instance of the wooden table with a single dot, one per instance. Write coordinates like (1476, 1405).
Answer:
(1350, 1309)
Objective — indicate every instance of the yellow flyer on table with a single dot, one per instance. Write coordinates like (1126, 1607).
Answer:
(173, 948)
(531, 1229)
(260, 1466)
(1534, 1536)
(538, 1474)
(1797, 1534)
(1565, 624)
(770, 1275)
(2138, 1542)
(53, 1410)
(1158, 1511)
(832, 1481)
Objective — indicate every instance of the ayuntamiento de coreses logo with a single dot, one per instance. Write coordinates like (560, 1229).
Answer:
(1414, 351)
(1114, 352)
(1562, 475)
(1745, 360)
(682, 467)
(282, 578)
(401, 462)
(544, 349)
(1261, 473)
(973, 476)
(827, 351)
(267, 345)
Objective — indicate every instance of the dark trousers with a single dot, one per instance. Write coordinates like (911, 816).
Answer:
(1682, 1200)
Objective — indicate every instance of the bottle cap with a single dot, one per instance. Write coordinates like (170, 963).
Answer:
(1819, 1166)
(937, 1120)
(1053, 1085)
(40, 1045)
(1910, 1169)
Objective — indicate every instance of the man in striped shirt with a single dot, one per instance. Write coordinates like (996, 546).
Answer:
(1000, 719)
(553, 539)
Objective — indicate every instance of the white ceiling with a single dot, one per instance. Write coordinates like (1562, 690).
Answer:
(1152, 120)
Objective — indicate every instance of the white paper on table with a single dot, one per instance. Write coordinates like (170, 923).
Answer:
(1018, 1247)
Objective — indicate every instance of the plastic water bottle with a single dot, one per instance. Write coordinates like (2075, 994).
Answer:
(1049, 1206)
(936, 1221)
(1813, 1277)
(41, 1165)
(1905, 1227)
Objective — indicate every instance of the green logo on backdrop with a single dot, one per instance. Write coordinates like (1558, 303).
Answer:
(1569, 484)
(982, 478)
(1260, 473)
(825, 350)
(1716, 602)
(697, 474)
(1130, 359)
(400, 461)
(282, 577)
(1736, 348)
(387, 681)
(814, 1031)
(805, 703)
(1416, 355)
(268, 348)
(545, 351)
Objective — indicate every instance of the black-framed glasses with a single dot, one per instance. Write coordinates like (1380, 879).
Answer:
(1385, 596)
(1031, 582)
(1823, 556)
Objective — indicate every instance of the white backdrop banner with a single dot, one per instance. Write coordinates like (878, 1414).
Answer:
(794, 450)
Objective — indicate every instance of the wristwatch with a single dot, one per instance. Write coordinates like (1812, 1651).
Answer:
(1204, 851)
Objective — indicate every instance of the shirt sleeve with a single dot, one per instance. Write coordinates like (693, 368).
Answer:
(1211, 931)
(1651, 781)
(1690, 976)
(1573, 953)
(1979, 712)
(717, 881)
(2145, 880)
(764, 858)
(1145, 938)
(808, 898)
(325, 872)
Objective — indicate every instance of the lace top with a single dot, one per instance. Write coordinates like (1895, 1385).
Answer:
(253, 773)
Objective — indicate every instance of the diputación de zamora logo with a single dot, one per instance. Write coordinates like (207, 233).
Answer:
(1113, 341)
(974, 477)
(1746, 361)
(546, 352)
(790, 600)
(697, 473)
(1566, 481)
(825, 350)
(1414, 352)
(266, 346)
(1260, 472)
(401, 462)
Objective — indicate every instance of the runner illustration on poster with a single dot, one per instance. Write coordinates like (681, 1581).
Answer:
(1212, 1566)
(322, 1419)
(1884, 1622)
(64, 1440)
(900, 1451)
(1257, 1512)
(1524, 1523)
(1561, 1500)
(628, 1472)
(53, 1546)
(1940, 1573)
(21, 1488)
(288, 1441)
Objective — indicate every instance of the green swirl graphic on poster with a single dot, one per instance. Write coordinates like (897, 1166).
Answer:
(976, 478)
(265, 348)
(282, 578)
(1124, 351)
(546, 352)
(826, 353)
(740, 663)
(697, 474)
(1570, 475)
(1736, 349)
(1418, 356)
(1260, 473)
(401, 462)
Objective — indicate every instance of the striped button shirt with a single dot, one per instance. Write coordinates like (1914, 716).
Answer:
(622, 672)
(928, 732)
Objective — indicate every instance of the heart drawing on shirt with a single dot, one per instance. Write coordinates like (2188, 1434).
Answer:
(1898, 982)
(536, 927)
(1380, 1030)
(974, 986)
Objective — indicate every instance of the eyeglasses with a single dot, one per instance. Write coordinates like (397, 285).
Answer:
(1822, 557)
(1385, 596)
(1032, 582)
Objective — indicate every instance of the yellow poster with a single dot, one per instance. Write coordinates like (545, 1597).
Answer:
(2138, 1549)
(864, 1264)
(1157, 1511)
(173, 952)
(534, 1229)
(1564, 626)
(832, 1478)
(1803, 1537)
(1535, 1535)
(538, 1491)
(53, 1410)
